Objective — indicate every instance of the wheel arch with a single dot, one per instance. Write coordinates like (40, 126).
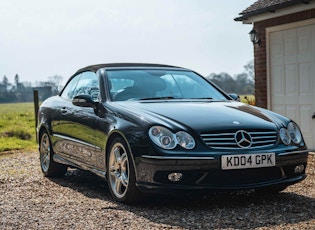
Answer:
(42, 129)
(112, 136)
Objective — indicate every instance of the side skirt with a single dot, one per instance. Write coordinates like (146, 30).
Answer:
(77, 164)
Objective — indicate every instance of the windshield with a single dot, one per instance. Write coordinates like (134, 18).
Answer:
(159, 84)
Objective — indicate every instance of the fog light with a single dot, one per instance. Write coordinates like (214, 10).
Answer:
(299, 168)
(175, 177)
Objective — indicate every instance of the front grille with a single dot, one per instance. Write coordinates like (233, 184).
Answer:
(226, 140)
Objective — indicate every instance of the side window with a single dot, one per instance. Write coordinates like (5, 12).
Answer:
(68, 91)
(83, 83)
(87, 85)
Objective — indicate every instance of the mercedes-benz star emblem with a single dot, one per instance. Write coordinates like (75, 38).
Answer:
(243, 139)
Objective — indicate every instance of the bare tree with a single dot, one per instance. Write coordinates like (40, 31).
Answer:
(250, 70)
(56, 81)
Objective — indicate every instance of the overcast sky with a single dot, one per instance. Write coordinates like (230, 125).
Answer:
(41, 38)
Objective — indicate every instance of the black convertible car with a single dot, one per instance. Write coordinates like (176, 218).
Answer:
(149, 127)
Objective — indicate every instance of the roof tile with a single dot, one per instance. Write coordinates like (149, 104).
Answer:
(264, 6)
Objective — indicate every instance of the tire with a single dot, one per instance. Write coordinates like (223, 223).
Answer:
(121, 174)
(49, 167)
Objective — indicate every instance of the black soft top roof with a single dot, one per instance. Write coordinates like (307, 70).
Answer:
(94, 68)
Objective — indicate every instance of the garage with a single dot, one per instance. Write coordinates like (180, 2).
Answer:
(284, 59)
(291, 78)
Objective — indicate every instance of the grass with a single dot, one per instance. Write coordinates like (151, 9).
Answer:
(17, 127)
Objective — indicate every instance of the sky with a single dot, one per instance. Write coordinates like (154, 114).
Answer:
(40, 39)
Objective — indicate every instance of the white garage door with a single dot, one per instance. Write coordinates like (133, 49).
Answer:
(291, 76)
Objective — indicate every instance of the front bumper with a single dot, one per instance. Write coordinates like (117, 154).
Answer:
(206, 173)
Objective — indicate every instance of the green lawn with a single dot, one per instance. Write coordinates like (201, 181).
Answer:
(17, 127)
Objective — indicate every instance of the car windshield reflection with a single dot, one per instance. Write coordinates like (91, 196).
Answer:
(159, 85)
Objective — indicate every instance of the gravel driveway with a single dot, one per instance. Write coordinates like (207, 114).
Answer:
(81, 200)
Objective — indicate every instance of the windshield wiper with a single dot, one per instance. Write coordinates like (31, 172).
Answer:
(158, 98)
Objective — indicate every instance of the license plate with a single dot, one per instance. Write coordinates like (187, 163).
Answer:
(244, 161)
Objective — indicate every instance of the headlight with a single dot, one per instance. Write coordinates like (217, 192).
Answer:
(165, 139)
(294, 133)
(285, 137)
(185, 140)
(291, 133)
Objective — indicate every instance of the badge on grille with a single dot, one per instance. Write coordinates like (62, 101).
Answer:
(243, 139)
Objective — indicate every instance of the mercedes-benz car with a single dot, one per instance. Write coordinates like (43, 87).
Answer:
(160, 128)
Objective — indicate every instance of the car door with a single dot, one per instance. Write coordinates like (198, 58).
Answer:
(77, 126)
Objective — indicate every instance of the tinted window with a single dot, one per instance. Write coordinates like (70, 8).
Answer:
(182, 85)
(83, 84)
(68, 91)
(87, 85)
(145, 84)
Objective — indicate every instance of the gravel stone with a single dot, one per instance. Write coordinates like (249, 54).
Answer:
(81, 200)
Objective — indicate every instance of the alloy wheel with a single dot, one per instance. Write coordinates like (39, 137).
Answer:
(118, 170)
(45, 152)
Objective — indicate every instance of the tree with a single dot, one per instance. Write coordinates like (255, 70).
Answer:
(55, 82)
(18, 85)
(250, 70)
(224, 81)
(4, 85)
(5, 81)
(242, 83)
(22, 91)
(17, 80)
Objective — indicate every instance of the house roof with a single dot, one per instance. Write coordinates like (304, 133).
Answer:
(265, 6)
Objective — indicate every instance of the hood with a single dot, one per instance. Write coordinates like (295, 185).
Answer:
(204, 115)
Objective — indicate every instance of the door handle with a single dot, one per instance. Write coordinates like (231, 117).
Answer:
(313, 117)
(64, 111)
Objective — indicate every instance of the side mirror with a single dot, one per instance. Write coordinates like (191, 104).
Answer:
(84, 101)
(235, 97)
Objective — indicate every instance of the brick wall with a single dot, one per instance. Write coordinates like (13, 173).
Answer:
(260, 54)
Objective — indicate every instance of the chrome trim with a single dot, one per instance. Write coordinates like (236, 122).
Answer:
(77, 164)
(243, 139)
(291, 153)
(176, 158)
(77, 141)
(227, 141)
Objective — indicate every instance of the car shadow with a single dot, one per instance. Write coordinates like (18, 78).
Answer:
(200, 211)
